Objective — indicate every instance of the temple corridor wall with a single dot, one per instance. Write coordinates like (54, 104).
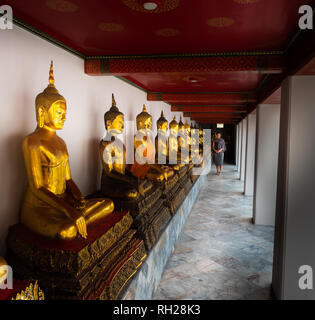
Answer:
(24, 62)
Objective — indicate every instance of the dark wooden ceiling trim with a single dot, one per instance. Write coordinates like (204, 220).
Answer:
(259, 64)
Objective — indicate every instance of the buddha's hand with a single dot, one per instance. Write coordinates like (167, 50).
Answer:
(81, 226)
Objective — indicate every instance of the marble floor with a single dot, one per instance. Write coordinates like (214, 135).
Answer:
(220, 254)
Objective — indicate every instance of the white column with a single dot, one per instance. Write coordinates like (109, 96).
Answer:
(250, 155)
(236, 147)
(239, 146)
(266, 163)
(295, 213)
(243, 150)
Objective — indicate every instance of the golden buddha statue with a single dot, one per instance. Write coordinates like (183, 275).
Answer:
(183, 143)
(161, 141)
(173, 144)
(53, 204)
(117, 180)
(145, 153)
(200, 139)
(194, 146)
(3, 271)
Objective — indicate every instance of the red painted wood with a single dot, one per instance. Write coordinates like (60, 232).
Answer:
(215, 98)
(205, 109)
(212, 115)
(261, 25)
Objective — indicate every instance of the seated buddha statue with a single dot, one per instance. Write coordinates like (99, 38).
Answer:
(53, 205)
(3, 271)
(117, 181)
(183, 143)
(194, 146)
(145, 151)
(200, 139)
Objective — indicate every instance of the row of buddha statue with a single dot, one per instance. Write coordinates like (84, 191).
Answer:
(62, 235)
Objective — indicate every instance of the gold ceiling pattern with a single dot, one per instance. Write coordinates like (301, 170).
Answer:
(167, 32)
(111, 27)
(220, 22)
(166, 5)
(190, 79)
(62, 5)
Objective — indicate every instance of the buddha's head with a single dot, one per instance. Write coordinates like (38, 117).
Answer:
(50, 106)
(181, 126)
(174, 127)
(187, 128)
(162, 124)
(114, 119)
(144, 120)
(3, 270)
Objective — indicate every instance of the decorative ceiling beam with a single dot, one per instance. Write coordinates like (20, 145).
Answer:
(222, 98)
(209, 120)
(217, 109)
(268, 64)
(212, 115)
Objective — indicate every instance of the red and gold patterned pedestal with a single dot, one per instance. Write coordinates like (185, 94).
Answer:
(98, 267)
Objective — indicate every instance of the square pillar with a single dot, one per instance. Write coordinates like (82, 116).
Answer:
(295, 210)
(236, 147)
(250, 155)
(239, 144)
(243, 150)
(266, 164)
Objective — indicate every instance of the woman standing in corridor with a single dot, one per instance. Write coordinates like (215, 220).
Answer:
(218, 147)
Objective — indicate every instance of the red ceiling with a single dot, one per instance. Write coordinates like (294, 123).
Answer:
(180, 82)
(257, 25)
(186, 27)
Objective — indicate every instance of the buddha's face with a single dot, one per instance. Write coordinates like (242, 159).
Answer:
(145, 124)
(163, 127)
(117, 125)
(56, 115)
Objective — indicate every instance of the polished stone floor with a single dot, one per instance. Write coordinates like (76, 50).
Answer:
(220, 254)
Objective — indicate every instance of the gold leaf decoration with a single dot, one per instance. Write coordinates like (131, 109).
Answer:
(166, 5)
(220, 22)
(111, 27)
(167, 32)
(61, 5)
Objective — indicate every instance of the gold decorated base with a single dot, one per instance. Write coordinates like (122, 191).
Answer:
(77, 269)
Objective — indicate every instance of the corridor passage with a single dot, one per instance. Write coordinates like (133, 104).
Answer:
(220, 254)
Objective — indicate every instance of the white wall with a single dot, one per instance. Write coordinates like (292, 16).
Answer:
(266, 163)
(250, 155)
(295, 215)
(24, 62)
